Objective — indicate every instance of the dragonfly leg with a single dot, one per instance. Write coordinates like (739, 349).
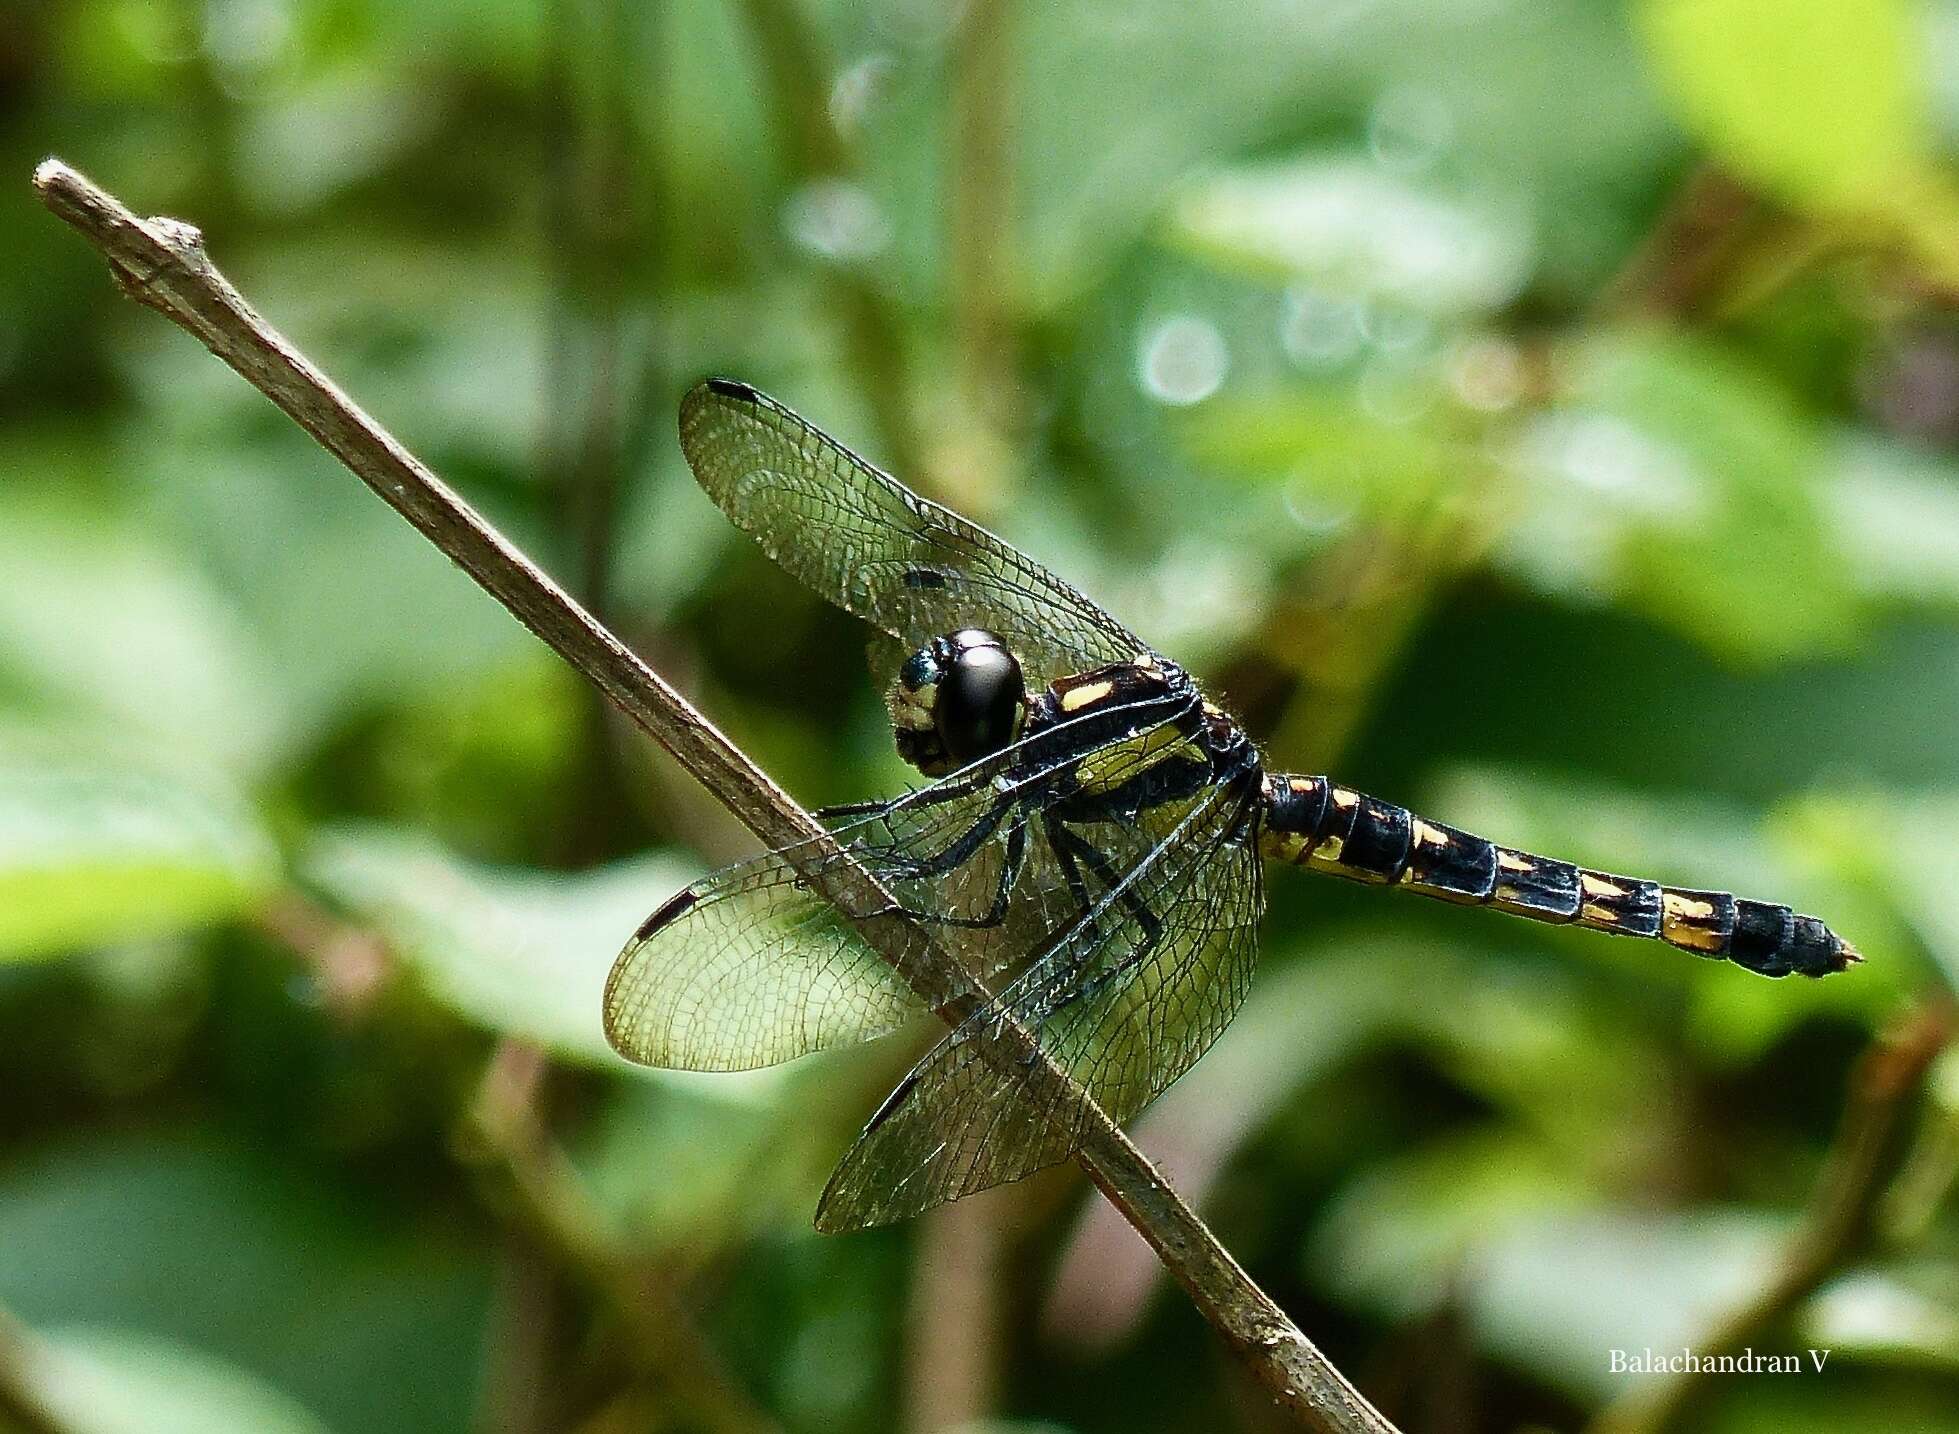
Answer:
(1072, 852)
(923, 797)
(830, 815)
(956, 852)
(1010, 870)
(1064, 858)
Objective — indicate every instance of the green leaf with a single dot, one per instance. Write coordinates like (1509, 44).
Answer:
(1917, 866)
(1818, 100)
(518, 951)
(349, 604)
(96, 851)
(1396, 1238)
(361, 1299)
(1823, 103)
(101, 622)
(1887, 1315)
(1556, 1290)
(1893, 511)
(727, 1153)
(1328, 445)
(106, 1381)
(1115, 106)
(1553, 1290)
(1680, 482)
(1349, 227)
(1833, 1401)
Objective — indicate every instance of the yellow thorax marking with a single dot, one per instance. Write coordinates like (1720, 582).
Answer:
(1077, 698)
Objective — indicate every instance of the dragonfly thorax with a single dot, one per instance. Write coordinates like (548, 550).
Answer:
(959, 698)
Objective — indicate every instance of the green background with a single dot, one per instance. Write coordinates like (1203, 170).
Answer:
(1544, 414)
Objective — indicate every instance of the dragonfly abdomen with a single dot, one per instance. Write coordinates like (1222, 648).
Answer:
(1314, 822)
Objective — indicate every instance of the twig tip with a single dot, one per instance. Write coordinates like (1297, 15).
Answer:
(50, 172)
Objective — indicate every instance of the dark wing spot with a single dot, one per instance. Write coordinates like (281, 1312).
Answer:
(670, 911)
(927, 578)
(891, 1103)
(734, 388)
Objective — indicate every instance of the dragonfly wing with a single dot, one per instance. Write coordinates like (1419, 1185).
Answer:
(748, 967)
(752, 965)
(1123, 1014)
(864, 541)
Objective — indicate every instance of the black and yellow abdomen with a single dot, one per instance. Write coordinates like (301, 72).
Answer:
(1313, 822)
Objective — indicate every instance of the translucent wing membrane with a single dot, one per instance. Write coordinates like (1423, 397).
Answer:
(748, 968)
(751, 965)
(864, 541)
(1124, 1000)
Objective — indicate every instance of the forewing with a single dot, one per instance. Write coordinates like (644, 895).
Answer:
(1123, 1021)
(865, 542)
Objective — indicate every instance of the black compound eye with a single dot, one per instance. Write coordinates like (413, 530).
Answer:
(979, 703)
(919, 669)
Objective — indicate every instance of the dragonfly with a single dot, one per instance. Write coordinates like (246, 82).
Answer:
(1092, 839)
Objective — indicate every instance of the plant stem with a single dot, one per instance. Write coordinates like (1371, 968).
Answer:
(162, 263)
(554, 1208)
(1840, 1227)
(981, 211)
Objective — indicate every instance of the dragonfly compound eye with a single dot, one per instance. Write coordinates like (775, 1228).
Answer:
(980, 698)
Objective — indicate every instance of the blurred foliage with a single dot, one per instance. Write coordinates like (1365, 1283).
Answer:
(1547, 414)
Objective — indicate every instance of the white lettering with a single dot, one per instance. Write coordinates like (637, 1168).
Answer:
(1687, 1361)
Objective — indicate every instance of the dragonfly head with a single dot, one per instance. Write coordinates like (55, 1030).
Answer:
(957, 699)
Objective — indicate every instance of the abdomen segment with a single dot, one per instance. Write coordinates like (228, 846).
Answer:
(1314, 822)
